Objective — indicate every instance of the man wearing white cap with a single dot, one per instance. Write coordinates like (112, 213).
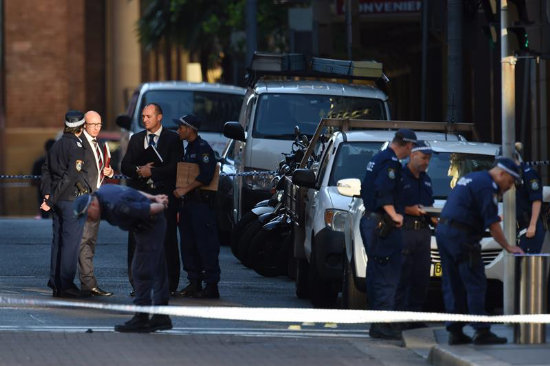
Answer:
(63, 180)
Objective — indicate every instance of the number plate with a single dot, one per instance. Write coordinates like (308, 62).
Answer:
(436, 270)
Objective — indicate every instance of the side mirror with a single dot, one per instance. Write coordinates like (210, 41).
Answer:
(350, 187)
(234, 130)
(304, 178)
(124, 121)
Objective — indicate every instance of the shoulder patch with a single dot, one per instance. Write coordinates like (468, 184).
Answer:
(78, 165)
(534, 184)
(391, 173)
(205, 158)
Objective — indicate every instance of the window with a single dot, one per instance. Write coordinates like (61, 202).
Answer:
(351, 160)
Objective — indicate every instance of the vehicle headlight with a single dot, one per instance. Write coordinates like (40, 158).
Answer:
(261, 182)
(336, 219)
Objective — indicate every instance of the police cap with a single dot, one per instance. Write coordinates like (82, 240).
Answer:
(422, 146)
(406, 134)
(81, 204)
(74, 119)
(189, 120)
(510, 167)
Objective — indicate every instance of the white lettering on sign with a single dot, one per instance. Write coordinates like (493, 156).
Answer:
(384, 6)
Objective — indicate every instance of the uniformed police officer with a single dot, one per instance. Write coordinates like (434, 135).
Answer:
(415, 257)
(528, 209)
(381, 227)
(143, 213)
(200, 246)
(63, 179)
(470, 209)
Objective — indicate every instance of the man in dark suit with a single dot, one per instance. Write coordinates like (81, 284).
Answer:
(96, 167)
(155, 178)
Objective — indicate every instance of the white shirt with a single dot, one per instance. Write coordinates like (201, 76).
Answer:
(156, 138)
(90, 140)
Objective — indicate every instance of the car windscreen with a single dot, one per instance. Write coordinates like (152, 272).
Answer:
(278, 114)
(446, 169)
(351, 160)
(214, 109)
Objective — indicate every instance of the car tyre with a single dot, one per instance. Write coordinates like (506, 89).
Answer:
(246, 239)
(352, 297)
(267, 253)
(238, 231)
(302, 282)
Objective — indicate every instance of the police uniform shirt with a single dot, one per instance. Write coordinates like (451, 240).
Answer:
(200, 152)
(382, 182)
(527, 193)
(122, 206)
(63, 169)
(473, 202)
(416, 191)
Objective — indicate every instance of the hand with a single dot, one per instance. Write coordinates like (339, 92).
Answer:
(108, 171)
(434, 220)
(514, 250)
(162, 199)
(145, 170)
(398, 220)
(179, 192)
(531, 230)
(44, 206)
(419, 211)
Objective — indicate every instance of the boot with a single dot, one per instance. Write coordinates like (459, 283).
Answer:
(210, 291)
(485, 336)
(384, 331)
(138, 324)
(160, 322)
(457, 336)
(191, 289)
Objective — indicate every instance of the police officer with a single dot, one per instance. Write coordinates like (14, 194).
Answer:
(415, 257)
(381, 227)
(470, 209)
(63, 179)
(528, 209)
(200, 246)
(143, 213)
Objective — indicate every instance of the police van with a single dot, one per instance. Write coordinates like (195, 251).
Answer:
(282, 97)
(214, 104)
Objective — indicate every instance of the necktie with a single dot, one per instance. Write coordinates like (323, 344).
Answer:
(152, 140)
(99, 160)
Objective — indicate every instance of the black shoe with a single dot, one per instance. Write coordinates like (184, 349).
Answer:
(210, 291)
(485, 336)
(96, 291)
(70, 293)
(191, 290)
(138, 324)
(160, 322)
(133, 293)
(384, 331)
(457, 337)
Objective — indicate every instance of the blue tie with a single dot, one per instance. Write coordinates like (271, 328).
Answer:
(152, 140)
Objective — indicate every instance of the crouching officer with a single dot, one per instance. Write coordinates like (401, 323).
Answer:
(528, 211)
(415, 257)
(381, 227)
(63, 180)
(142, 213)
(200, 247)
(470, 209)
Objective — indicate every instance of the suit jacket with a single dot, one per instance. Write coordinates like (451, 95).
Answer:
(170, 149)
(90, 164)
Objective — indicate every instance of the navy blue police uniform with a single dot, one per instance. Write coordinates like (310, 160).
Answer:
(415, 256)
(200, 246)
(527, 193)
(380, 187)
(470, 209)
(128, 209)
(63, 179)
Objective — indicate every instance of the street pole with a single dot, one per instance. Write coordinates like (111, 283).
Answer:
(424, 76)
(454, 59)
(251, 29)
(508, 62)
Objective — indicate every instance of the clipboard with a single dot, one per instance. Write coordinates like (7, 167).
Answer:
(433, 211)
(187, 172)
(149, 155)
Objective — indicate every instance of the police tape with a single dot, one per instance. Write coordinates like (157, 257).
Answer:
(222, 174)
(282, 315)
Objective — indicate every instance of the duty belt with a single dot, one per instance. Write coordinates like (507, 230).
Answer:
(457, 225)
(416, 223)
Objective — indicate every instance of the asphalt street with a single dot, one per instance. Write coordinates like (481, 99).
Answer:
(74, 336)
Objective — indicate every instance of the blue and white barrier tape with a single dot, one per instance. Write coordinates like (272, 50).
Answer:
(283, 315)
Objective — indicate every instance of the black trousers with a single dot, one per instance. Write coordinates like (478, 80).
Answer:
(171, 249)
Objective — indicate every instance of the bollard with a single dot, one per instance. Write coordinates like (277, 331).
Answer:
(531, 296)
